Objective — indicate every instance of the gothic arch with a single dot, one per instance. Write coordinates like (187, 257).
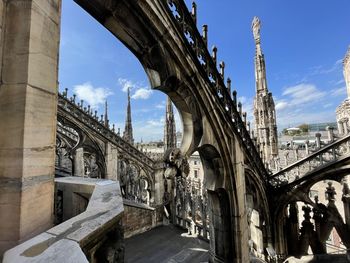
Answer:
(255, 186)
(222, 204)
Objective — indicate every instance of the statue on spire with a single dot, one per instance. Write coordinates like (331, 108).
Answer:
(169, 127)
(128, 134)
(256, 28)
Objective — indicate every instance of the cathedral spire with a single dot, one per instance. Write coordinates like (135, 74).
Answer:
(264, 106)
(260, 69)
(169, 127)
(127, 135)
(106, 121)
(346, 71)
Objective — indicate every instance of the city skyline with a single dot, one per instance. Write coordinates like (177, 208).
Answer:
(306, 88)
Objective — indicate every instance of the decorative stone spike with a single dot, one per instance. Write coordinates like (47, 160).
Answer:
(214, 54)
(89, 109)
(346, 202)
(248, 127)
(228, 85)
(81, 103)
(240, 109)
(318, 140)
(101, 120)
(66, 92)
(118, 132)
(205, 34)
(234, 98)
(330, 192)
(330, 131)
(307, 147)
(85, 109)
(194, 12)
(95, 114)
(307, 211)
(74, 96)
(222, 69)
(245, 118)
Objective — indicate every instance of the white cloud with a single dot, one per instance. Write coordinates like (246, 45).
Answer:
(319, 70)
(91, 95)
(142, 93)
(303, 93)
(281, 105)
(125, 84)
(156, 123)
(338, 92)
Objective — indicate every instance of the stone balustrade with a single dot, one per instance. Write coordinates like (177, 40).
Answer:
(68, 107)
(96, 232)
(323, 157)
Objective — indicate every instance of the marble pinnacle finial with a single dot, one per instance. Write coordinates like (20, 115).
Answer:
(347, 56)
(256, 28)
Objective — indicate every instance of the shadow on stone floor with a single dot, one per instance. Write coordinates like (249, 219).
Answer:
(165, 244)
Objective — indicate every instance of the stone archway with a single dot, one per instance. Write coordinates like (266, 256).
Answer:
(220, 226)
(221, 207)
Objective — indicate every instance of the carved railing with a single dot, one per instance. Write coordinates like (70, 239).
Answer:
(207, 65)
(68, 107)
(326, 156)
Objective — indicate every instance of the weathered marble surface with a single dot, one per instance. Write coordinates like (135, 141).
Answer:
(64, 242)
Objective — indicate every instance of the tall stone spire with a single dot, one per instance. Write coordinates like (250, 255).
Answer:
(343, 110)
(264, 106)
(127, 135)
(346, 71)
(169, 127)
(106, 121)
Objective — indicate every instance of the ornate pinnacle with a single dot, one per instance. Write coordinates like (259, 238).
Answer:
(205, 34)
(214, 54)
(330, 192)
(347, 57)
(240, 109)
(234, 98)
(229, 86)
(244, 117)
(222, 69)
(256, 29)
(194, 12)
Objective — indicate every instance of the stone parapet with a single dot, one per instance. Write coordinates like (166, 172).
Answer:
(82, 238)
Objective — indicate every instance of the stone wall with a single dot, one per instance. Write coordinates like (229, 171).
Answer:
(139, 218)
(28, 102)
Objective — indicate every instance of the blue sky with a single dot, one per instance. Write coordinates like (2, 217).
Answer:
(304, 43)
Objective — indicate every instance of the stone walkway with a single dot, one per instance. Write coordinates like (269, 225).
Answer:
(165, 244)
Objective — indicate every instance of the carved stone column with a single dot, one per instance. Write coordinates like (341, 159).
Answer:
(28, 99)
(79, 162)
(111, 161)
(346, 202)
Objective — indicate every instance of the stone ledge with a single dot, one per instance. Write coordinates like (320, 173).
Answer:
(64, 242)
(137, 205)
